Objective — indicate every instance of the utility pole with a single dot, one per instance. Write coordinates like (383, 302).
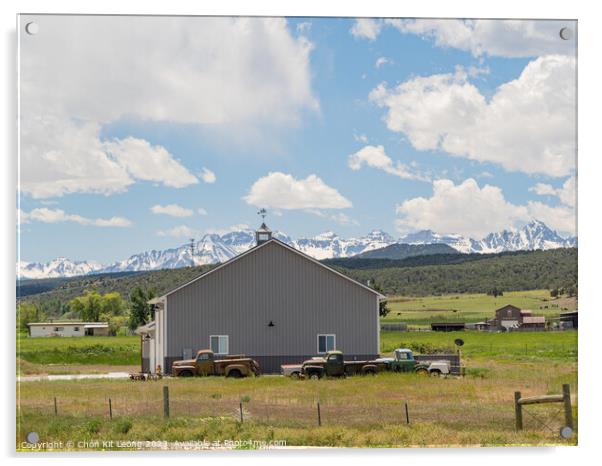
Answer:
(192, 252)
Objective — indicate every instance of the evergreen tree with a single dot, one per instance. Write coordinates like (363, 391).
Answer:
(140, 311)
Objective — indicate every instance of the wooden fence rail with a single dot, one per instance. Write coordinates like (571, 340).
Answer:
(564, 398)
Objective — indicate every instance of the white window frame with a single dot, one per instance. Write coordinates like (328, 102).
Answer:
(334, 338)
(219, 337)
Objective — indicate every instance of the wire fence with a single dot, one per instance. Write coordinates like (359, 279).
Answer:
(284, 411)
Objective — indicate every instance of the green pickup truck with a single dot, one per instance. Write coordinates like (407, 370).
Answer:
(333, 364)
(403, 361)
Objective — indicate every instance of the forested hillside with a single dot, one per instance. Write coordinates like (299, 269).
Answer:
(506, 272)
(416, 276)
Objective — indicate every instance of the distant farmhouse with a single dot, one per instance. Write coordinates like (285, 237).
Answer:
(272, 303)
(511, 317)
(68, 329)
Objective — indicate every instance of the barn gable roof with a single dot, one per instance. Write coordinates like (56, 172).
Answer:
(508, 306)
(257, 248)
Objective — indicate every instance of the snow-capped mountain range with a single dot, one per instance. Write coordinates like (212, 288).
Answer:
(213, 248)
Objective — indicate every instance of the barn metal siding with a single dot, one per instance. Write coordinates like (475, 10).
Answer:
(300, 297)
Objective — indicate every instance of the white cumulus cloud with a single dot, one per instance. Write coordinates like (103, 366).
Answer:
(211, 70)
(500, 38)
(465, 209)
(225, 74)
(527, 125)
(180, 231)
(282, 191)
(375, 157)
(45, 215)
(208, 176)
(149, 163)
(344, 219)
(62, 156)
(567, 194)
(380, 61)
(475, 211)
(173, 210)
(366, 28)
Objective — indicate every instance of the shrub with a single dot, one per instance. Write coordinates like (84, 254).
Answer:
(123, 426)
(92, 426)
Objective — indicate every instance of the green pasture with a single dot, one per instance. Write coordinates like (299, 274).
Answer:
(421, 311)
(119, 350)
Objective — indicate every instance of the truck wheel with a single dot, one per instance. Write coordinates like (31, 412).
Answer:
(295, 375)
(234, 373)
(314, 375)
(185, 374)
(422, 371)
(371, 372)
(436, 373)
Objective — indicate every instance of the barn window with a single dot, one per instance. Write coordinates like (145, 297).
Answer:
(219, 344)
(326, 342)
(76, 329)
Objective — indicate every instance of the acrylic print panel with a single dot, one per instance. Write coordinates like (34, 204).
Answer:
(376, 215)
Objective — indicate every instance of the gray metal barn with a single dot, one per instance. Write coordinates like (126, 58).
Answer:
(272, 303)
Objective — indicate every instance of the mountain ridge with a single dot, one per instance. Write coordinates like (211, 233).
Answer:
(213, 248)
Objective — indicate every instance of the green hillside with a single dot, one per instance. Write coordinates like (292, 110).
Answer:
(508, 272)
(410, 277)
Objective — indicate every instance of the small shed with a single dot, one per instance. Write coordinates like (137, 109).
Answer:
(477, 326)
(534, 322)
(569, 319)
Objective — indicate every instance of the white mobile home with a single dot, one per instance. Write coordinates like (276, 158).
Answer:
(68, 329)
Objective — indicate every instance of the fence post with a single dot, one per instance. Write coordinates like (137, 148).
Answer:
(319, 415)
(165, 401)
(241, 418)
(407, 415)
(568, 410)
(110, 410)
(518, 411)
(55, 407)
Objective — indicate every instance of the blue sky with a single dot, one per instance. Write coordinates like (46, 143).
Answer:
(136, 143)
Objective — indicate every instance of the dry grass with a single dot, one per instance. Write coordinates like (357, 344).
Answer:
(360, 411)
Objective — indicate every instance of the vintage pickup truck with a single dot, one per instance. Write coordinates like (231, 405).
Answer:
(403, 361)
(333, 364)
(206, 363)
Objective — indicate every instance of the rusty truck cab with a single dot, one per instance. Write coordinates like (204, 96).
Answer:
(205, 362)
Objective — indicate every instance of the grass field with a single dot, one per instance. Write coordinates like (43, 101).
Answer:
(474, 410)
(48, 355)
(422, 311)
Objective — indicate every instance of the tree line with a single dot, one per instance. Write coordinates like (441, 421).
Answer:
(93, 306)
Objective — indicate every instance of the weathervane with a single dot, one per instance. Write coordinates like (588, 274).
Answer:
(263, 213)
